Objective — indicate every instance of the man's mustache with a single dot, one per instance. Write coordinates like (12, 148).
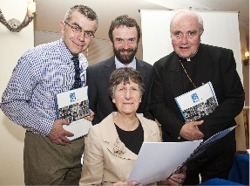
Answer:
(126, 50)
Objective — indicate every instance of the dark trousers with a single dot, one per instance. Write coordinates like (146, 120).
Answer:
(216, 162)
(46, 163)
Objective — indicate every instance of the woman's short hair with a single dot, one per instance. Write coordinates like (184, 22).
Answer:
(125, 75)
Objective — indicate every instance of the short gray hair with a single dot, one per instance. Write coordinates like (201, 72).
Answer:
(84, 10)
(187, 11)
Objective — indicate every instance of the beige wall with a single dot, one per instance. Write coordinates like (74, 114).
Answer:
(244, 39)
(12, 45)
(98, 50)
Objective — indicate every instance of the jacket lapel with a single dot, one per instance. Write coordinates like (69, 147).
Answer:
(109, 67)
(149, 135)
(115, 145)
(204, 66)
(140, 68)
(174, 75)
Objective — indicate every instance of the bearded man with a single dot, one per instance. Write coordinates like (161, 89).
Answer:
(124, 33)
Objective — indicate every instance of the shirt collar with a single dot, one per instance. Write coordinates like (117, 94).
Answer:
(118, 64)
(64, 50)
(67, 54)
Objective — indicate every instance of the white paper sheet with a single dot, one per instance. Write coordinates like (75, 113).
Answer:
(158, 160)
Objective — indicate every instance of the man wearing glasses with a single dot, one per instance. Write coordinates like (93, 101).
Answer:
(29, 100)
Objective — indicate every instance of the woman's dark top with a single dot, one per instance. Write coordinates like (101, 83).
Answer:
(132, 139)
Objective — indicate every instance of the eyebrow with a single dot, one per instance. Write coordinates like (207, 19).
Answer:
(76, 24)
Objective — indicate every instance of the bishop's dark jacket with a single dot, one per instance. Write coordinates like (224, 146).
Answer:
(213, 64)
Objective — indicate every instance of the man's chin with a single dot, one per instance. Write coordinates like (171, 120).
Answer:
(125, 60)
(184, 56)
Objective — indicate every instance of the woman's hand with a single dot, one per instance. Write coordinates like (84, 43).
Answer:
(127, 183)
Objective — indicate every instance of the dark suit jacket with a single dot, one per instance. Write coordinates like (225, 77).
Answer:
(214, 64)
(98, 82)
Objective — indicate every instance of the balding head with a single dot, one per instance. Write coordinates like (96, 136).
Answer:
(184, 14)
(186, 29)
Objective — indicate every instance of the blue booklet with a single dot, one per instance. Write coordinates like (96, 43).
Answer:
(73, 106)
(198, 102)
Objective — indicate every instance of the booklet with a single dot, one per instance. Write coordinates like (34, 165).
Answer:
(198, 102)
(73, 106)
(157, 161)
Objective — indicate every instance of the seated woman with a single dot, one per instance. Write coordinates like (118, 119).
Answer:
(111, 146)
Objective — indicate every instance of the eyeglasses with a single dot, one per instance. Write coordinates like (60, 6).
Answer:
(77, 29)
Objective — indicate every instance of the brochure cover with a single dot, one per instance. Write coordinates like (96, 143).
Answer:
(73, 106)
(197, 103)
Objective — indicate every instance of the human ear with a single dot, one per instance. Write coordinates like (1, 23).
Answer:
(62, 26)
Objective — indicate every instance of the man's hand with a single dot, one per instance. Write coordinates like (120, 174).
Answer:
(176, 178)
(91, 116)
(58, 134)
(190, 130)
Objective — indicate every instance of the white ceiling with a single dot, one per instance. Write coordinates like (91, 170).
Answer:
(51, 12)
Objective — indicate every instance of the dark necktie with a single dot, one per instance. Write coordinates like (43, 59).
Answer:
(77, 82)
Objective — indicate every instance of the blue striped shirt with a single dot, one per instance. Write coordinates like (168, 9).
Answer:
(40, 74)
